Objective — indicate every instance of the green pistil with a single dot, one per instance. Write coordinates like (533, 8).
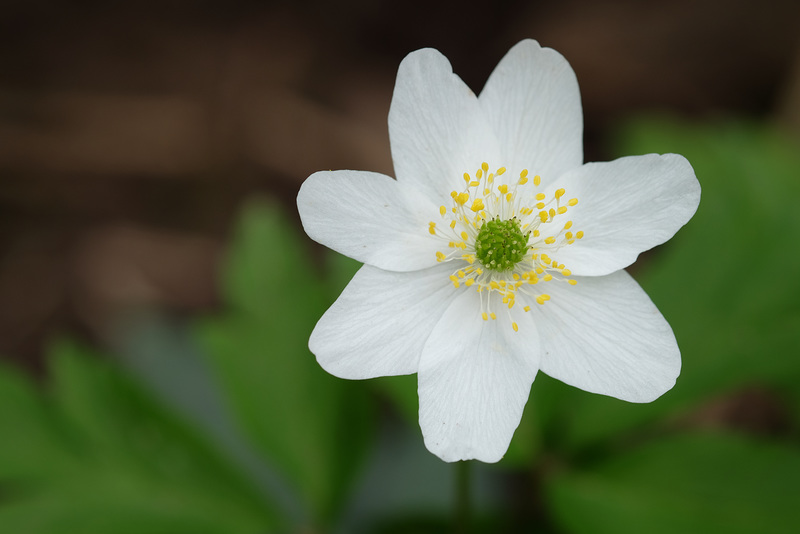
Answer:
(501, 245)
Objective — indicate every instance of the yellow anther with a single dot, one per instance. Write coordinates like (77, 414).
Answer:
(477, 205)
(453, 225)
(515, 276)
(546, 259)
(501, 170)
(461, 274)
(543, 216)
(453, 194)
(572, 282)
(527, 308)
(540, 196)
(502, 283)
(493, 316)
(440, 256)
(479, 174)
(552, 212)
(536, 233)
(579, 235)
(559, 193)
(523, 181)
(550, 240)
(515, 327)
(561, 210)
(572, 201)
(509, 196)
(568, 225)
(432, 228)
(474, 184)
(454, 280)
(462, 198)
(503, 189)
(537, 180)
(485, 316)
(547, 277)
(539, 205)
(469, 258)
(466, 177)
(524, 173)
(442, 211)
(469, 282)
(464, 236)
(494, 285)
(485, 166)
(539, 270)
(566, 272)
(568, 235)
(541, 299)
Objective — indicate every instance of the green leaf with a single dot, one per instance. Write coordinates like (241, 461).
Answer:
(32, 447)
(312, 426)
(689, 484)
(130, 465)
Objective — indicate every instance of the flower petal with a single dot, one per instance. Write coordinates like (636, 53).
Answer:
(474, 379)
(436, 127)
(380, 322)
(369, 217)
(625, 207)
(533, 104)
(604, 335)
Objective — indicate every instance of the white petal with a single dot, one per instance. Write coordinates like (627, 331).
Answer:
(474, 379)
(625, 207)
(369, 217)
(380, 322)
(436, 127)
(604, 335)
(533, 104)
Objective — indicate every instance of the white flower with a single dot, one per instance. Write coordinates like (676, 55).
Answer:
(496, 252)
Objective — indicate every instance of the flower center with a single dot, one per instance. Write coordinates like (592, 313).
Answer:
(500, 238)
(500, 244)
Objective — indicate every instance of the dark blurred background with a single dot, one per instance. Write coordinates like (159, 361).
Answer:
(130, 132)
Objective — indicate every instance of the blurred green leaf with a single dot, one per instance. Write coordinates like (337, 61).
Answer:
(32, 448)
(313, 426)
(690, 484)
(724, 282)
(105, 457)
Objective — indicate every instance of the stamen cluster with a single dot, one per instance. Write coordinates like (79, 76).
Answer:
(502, 237)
